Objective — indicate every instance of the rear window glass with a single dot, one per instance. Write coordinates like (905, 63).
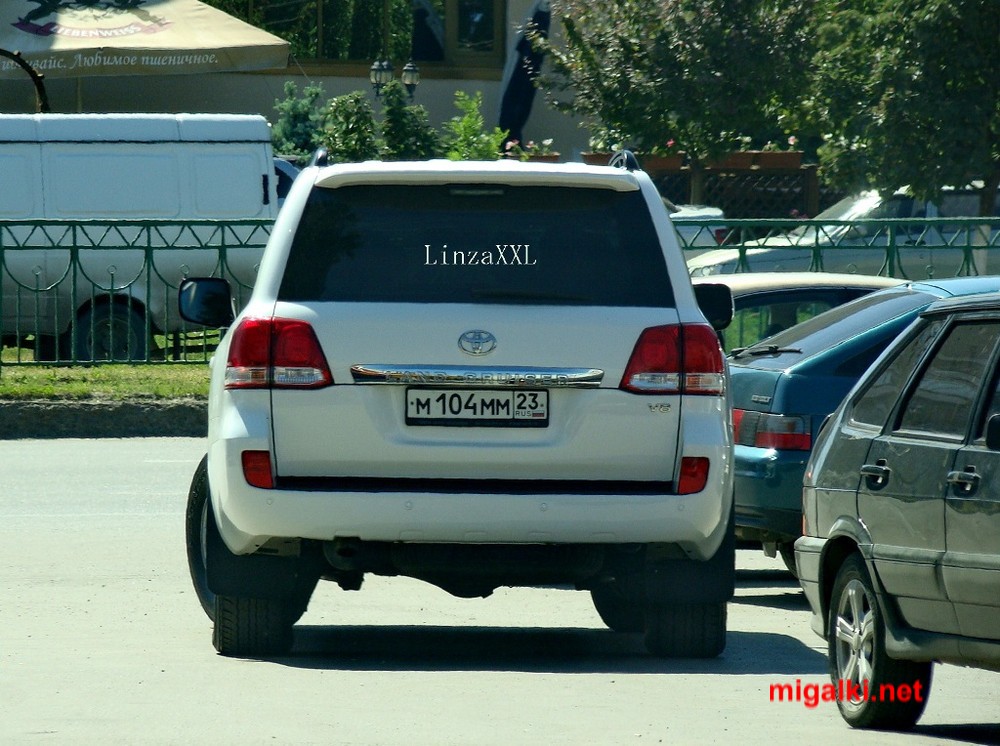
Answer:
(477, 244)
(839, 325)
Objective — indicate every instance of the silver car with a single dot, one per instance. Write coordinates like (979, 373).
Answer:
(851, 242)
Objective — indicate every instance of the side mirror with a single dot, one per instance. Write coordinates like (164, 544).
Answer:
(206, 301)
(993, 433)
(716, 302)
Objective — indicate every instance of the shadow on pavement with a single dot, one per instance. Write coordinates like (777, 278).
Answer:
(791, 600)
(982, 733)
(574, 650)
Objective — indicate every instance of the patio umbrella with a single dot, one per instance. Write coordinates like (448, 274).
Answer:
(83, 38)
(519, 77)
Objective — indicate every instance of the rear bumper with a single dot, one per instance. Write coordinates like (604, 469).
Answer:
(768, 493)
(424, 510)
(249, 516)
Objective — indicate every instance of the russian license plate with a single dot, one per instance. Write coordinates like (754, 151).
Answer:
(477, 408)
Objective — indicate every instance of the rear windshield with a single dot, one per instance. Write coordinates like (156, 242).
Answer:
(477, 244)
(835, 326)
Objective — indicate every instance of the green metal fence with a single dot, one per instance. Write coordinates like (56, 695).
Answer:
(93, 291)
(910, 248)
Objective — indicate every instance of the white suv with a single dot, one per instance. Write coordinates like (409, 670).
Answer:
(478, 374)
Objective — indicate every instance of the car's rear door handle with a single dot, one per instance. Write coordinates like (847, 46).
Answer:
(965, 482)
(876, 475)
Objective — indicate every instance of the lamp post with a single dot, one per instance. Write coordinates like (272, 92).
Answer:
(379, 75)
(410, 78)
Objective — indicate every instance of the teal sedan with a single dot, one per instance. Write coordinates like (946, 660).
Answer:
(785, 386)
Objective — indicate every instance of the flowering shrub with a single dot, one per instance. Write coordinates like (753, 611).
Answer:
(773, 147)
(670, 147)
(514, 149)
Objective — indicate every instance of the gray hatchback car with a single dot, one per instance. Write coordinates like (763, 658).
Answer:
(900, 557)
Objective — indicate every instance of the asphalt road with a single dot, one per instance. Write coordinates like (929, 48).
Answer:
(103, 641)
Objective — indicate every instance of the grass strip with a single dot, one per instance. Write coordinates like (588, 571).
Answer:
(106, 381)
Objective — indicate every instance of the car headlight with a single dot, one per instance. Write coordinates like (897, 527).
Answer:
(708, 271)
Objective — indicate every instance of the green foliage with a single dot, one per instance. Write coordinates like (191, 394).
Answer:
(407, 134)
(352, 29)
(337, 15)
(367, 25)
(349, 132)
(466, 137)
(299, 120)
(297, 26)
(909, 98)
(698, 72)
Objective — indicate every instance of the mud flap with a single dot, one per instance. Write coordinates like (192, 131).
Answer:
(686, 581)
(258, 575)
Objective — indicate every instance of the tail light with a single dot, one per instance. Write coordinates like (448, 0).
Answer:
(694, 475)
(276, 353)
(257, 469)
(676, 359)
(779, 431)
(721, 236)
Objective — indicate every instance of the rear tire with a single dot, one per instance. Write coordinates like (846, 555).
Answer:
(686, 630)
(246, 627)
(857, 654)
(196, 533)
(615, 609)
(111, 331)
(48, 348)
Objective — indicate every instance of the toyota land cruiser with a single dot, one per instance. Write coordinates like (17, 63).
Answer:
(477, 374)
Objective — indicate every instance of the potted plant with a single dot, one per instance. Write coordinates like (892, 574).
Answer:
(774, 155)
(540, 151)
(666, 157)
(741, 157)
(603, 143)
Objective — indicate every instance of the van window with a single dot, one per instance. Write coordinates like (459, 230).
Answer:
(220, 197)
(477, 243)
(97, 183)
(17, 197)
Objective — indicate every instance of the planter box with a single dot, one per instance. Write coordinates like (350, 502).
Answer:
(596, 159)
(775, 159)
(547, 158)
(661, 162)
(740, 159)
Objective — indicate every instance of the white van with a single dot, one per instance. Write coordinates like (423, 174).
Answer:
(98, 283)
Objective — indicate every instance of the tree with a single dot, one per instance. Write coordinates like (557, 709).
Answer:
(466, 137)
(909, 98)
(349, 131)
(700, 72)
(300, 120)
(406, 130)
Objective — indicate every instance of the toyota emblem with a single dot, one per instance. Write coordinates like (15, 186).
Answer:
(477, 342)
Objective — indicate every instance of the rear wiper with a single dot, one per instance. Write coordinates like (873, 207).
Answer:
(762, 351)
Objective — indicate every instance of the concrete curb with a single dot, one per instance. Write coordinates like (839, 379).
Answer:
(104, 418)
